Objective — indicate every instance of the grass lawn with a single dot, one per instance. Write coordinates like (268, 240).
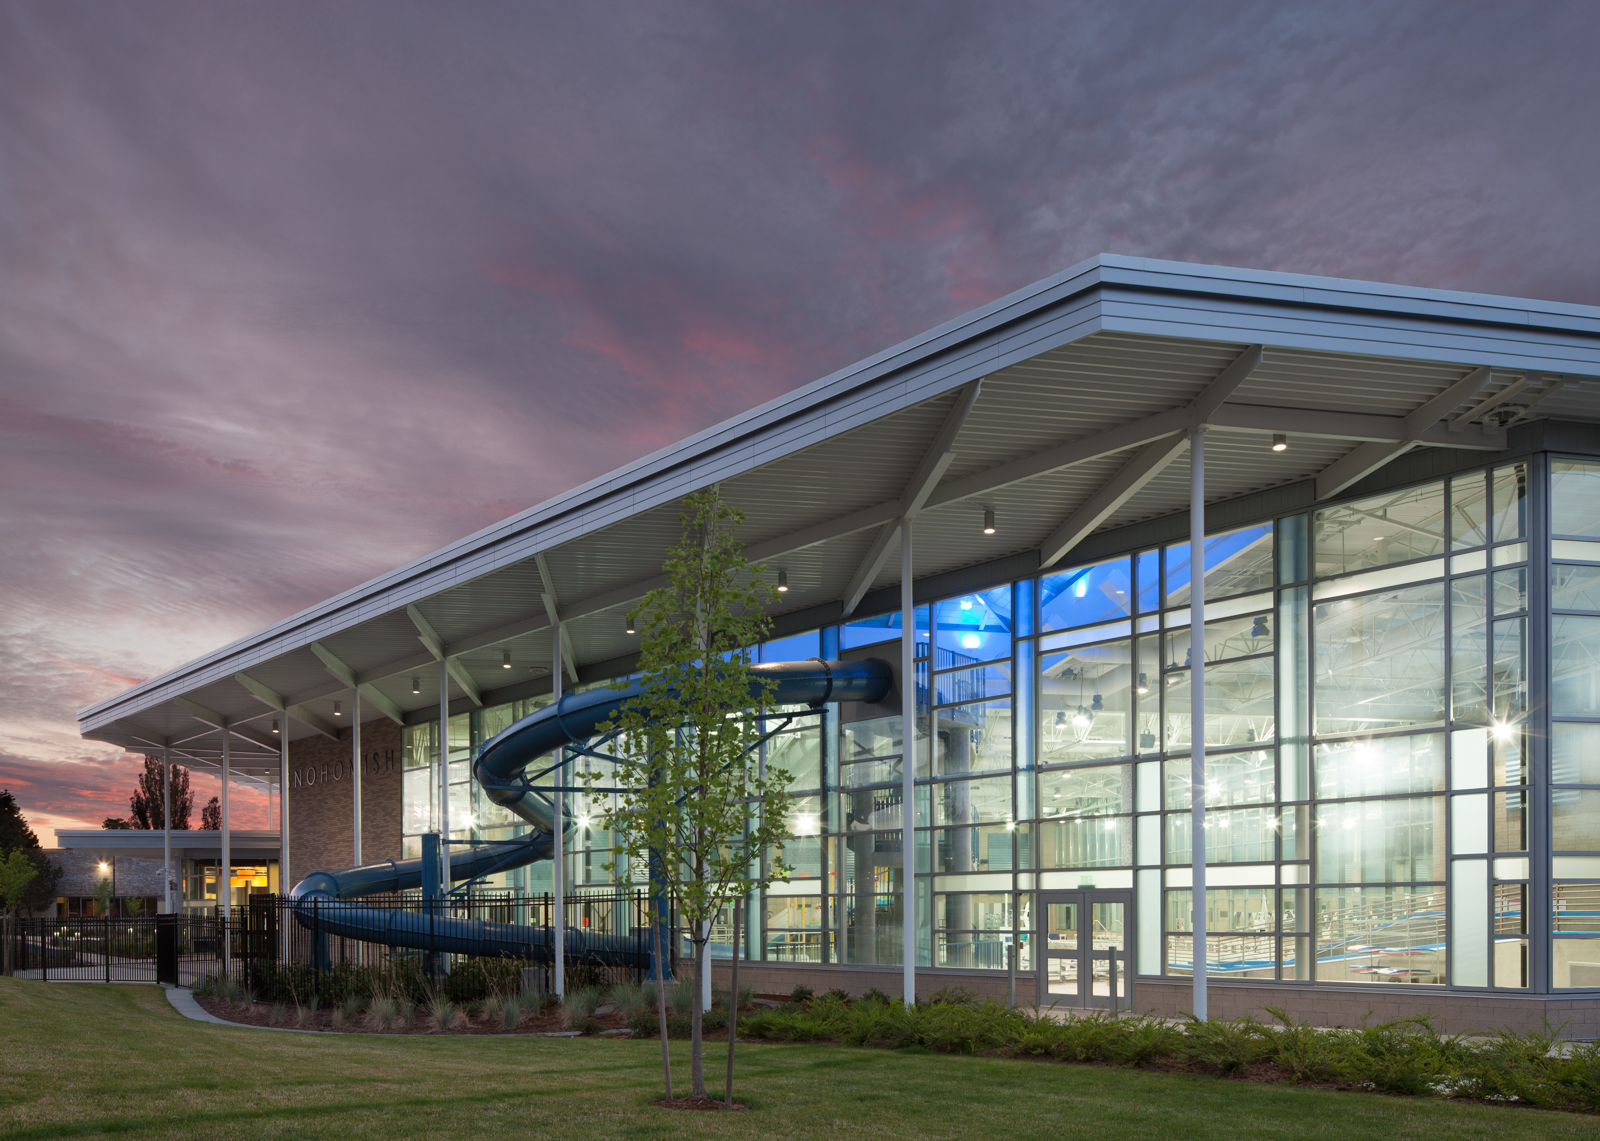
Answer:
(94, 1061)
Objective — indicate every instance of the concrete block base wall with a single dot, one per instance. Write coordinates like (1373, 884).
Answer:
(1453, 1012)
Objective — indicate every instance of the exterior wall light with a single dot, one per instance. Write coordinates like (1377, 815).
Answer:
(988, 521)
(338, 709)
(416, 685)
(274, 725)
(783, 582)
(1280, 442)
(631, 625)
(505, 659)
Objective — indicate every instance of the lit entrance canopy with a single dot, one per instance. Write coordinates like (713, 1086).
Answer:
(1053, 416)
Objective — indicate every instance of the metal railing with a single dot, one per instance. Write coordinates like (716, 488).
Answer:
(175, 949)
(313, 934)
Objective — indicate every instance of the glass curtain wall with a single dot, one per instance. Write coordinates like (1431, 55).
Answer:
(1368, 738)
(1575, 727)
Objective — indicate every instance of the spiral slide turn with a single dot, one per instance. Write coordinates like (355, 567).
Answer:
(499, 771)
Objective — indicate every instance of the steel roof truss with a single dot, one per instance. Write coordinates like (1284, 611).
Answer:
(929, 471)
(275, 700)
(337, 667)
(1368, 458)
(429, 637)
(552, 609)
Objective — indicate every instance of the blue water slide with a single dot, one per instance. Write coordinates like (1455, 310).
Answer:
(499, 771)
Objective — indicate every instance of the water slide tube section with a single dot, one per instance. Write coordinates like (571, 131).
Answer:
(499, 770)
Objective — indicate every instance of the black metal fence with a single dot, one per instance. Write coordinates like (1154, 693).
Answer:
(176, 949)
(432, 936)
(610, 939)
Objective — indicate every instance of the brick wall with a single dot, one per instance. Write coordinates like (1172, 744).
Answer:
(1321, 1006)
(134, 876)
(320, 802)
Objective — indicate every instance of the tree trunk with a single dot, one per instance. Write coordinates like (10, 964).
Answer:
(661, 1001)
(697, 1069)
(733, 995)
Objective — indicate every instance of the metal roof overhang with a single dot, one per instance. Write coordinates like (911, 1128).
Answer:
(1061, 407)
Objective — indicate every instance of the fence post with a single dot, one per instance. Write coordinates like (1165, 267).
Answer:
(316, 942)
(105, 942)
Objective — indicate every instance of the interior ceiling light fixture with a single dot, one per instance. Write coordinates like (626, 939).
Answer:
(988, 521)
(1143, 686)
(1280, 442)
(505, 659)
(783, 582)
(274, 726)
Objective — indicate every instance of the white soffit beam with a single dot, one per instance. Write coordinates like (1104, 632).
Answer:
(218, 721)
(552, 609)
(337, 667)
(929, 471)
(429, 637)
(275, 700)
(1369, 457)
(1148, 462)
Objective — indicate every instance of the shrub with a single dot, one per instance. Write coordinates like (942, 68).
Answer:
(952, 996)
(681, 998)
(579, 1005)
(442, 1012)
(1225, 1047)
(1303, 1052)
(802, 993)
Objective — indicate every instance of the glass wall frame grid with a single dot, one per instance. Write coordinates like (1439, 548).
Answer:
(1294, 874)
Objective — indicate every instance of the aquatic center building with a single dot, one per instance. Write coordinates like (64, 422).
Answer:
(1400, 590)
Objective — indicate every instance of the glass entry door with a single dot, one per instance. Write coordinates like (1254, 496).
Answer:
(1083, 942)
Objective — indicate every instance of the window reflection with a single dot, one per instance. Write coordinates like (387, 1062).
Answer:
(1390, 528)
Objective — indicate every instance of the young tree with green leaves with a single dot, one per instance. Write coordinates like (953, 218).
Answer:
(693, 803)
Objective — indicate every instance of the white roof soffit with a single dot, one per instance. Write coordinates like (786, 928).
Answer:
(1061, 406)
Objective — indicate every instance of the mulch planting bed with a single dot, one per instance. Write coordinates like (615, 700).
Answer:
(260, 1014)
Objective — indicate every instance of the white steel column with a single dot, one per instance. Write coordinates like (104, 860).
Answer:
(1197, 705)
(444, 780)
(166, 823)
(908, 769)
(355, 776)
(225, 867)
(558, 868)
(283, 807)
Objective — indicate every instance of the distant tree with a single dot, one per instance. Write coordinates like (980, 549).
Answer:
(17, 838)
(16, 873)
(146, 803)
(114, 822)
(211, 816)
(14, 830)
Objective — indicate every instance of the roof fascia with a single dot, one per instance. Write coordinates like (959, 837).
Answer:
(1109, 291)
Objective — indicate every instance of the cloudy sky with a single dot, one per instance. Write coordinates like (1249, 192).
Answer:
(291, 293)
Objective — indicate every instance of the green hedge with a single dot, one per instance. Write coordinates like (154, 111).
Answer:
(1406, 1057)
(470, 980)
